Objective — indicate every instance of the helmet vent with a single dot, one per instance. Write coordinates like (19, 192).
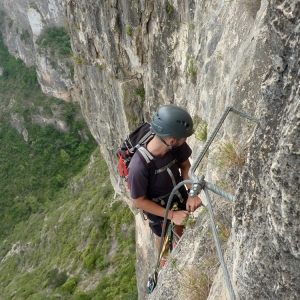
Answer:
(185, 124)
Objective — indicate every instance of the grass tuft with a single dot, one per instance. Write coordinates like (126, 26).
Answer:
(230, 156)
(128, 30)
(196, 281)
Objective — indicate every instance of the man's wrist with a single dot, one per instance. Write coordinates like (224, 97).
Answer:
(170, 214)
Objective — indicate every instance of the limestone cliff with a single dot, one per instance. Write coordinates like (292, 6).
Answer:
(206, 55)
(133, 56)
(23, 23)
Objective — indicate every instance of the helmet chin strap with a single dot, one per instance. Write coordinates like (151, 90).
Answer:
(170, 148)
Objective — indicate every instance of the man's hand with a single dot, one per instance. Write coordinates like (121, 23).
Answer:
(179, 216)
(193, 203)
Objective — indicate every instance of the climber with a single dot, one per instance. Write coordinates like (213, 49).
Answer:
(150, 187)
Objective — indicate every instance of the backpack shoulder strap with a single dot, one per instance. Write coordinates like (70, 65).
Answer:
(146, 154)
(149, 162)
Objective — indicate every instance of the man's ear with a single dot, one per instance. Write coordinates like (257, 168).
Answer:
(172, 141)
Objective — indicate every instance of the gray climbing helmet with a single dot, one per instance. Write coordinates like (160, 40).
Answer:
(171, 120)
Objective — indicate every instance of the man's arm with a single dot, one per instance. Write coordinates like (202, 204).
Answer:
(192, 203)
(185, 167)
(153, 208)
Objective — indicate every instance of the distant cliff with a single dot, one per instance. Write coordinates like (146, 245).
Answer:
(23, 24)
(133, 56)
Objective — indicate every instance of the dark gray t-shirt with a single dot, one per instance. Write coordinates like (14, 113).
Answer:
(138, 173)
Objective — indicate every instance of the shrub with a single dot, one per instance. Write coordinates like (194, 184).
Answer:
(192, 69)
(60, 243)
(10, 23)
(34, 168)
(201, 131)
(25, 36)
(189, 222)
(70, 285)
(55, 39)
(107, 191)
(169, 8)
(80, 295)
(196, 282)
(78, 60)
(56, 278)
(140, 92)
(230, 156)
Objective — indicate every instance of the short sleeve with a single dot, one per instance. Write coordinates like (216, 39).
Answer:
(186, 152)
(138, 177)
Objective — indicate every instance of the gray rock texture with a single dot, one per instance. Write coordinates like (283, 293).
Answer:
(266, 214)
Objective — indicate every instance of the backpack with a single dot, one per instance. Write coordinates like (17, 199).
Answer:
(141, 135)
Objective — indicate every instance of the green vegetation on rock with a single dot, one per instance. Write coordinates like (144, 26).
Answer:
(55, 39)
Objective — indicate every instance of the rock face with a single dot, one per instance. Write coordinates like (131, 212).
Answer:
(136, 55)
(133, 56)
(22, 24)
(266, 215)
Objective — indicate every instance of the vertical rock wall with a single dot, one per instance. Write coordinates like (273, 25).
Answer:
(266, 227)
(205, 55)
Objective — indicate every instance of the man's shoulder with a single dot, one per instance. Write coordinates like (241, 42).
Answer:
(182, 149)
(185, 146)
(137, 161)
(183, 152)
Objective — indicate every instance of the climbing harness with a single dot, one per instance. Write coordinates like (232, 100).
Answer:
(197, 184)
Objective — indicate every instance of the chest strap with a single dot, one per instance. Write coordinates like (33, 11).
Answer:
(163, 202)
(168, 166)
